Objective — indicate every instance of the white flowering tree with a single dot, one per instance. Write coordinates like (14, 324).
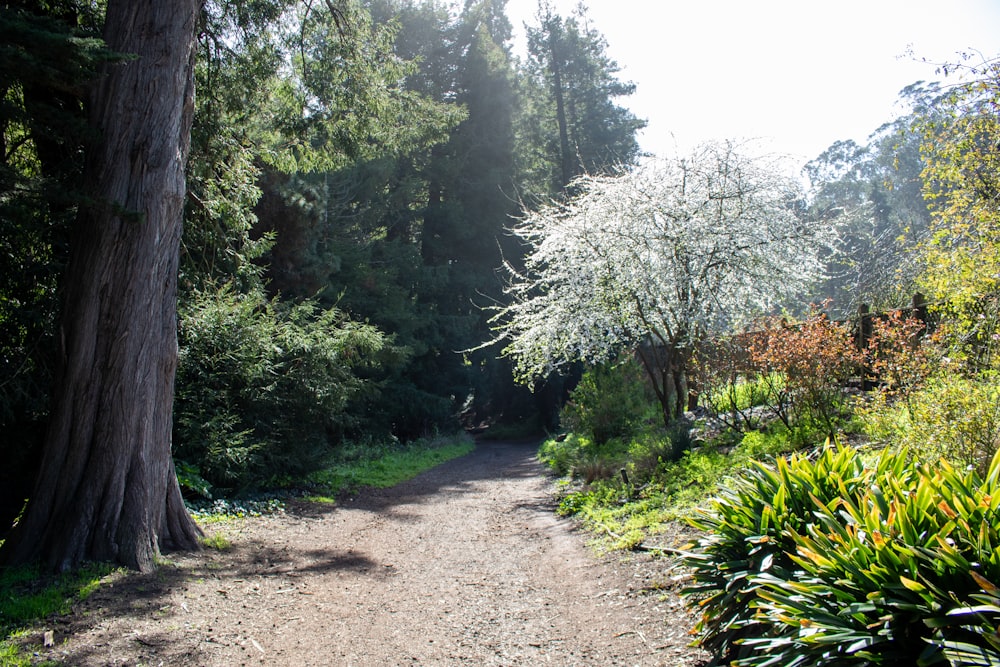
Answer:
(655, 259)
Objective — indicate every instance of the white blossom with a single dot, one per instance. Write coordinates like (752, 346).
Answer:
(669, 252)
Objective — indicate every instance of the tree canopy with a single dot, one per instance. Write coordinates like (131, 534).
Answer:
(960, 151)
(353, 167)
(654, 259)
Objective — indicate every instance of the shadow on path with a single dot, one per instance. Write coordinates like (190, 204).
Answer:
(489, 461)
(179, 586)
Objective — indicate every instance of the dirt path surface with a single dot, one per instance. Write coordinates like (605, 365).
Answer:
(466, 564)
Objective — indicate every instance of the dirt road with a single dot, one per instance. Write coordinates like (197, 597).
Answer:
(465, 565)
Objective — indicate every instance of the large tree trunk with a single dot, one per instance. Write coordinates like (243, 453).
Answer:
(555, 63)
(107, 489)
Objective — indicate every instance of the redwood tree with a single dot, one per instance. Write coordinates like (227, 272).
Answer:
(107, 488)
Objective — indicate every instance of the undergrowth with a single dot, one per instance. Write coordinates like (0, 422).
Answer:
(664, 478)
(27, 596)
(353, 467)
(383, 466)
(803, 556)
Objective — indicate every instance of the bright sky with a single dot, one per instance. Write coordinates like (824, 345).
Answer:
(795, 74)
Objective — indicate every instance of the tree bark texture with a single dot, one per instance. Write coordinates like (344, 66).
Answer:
(107, 488)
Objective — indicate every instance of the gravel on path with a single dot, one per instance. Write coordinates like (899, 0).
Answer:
(466, 564)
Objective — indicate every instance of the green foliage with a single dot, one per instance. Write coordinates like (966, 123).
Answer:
(11, 656)
(583, 458)
(216, 541)
(619, 525)
(408, 233)
(350, 157)
(572, 87)
(961, 177)
(190, 479)
(350, 467)
(263, 388)
(26, 595)
(850, 559)
(733, 386)
(743, 394)
(561, 453)
(766, 444)
(949, 416)
(239, 52)
(48, 53)
(221, 510)
(610, 401)
(660, 489)
(735, 401)
(519, 428)
(928, 403)
(321, 115)
(666, 478)
(745, 535)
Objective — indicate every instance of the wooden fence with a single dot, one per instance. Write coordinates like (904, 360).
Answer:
(732, 354)
(863, 324)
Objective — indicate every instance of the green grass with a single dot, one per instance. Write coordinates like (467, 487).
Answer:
(661, 490)
(27, 596)
(216, 541)
(354, 466)
(384, 466)
(11, 655)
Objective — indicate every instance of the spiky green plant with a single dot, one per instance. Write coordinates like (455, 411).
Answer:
(894, 576)
(847, 562)
(748, 531)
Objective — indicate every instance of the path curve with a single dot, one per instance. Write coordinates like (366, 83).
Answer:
(467, 564)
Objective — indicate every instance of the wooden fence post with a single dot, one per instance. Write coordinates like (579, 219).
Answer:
(920, 310)
(864, 333)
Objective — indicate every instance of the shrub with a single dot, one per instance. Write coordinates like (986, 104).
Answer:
(767, 444)
(749, 527)
(610, 401)
(734, 384)
(745, 393)
(950, 416)
(666, 479)
(897, 354)
(262, 389)
(815, 358)
(649, 450)
(563, 453)
(847, 563)
(582, 458)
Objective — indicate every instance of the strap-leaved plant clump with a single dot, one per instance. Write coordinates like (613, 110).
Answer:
(851, 559)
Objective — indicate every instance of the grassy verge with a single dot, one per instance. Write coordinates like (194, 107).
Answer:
(384, 466)
(356, 466)
(659, 486)
(27, 597)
